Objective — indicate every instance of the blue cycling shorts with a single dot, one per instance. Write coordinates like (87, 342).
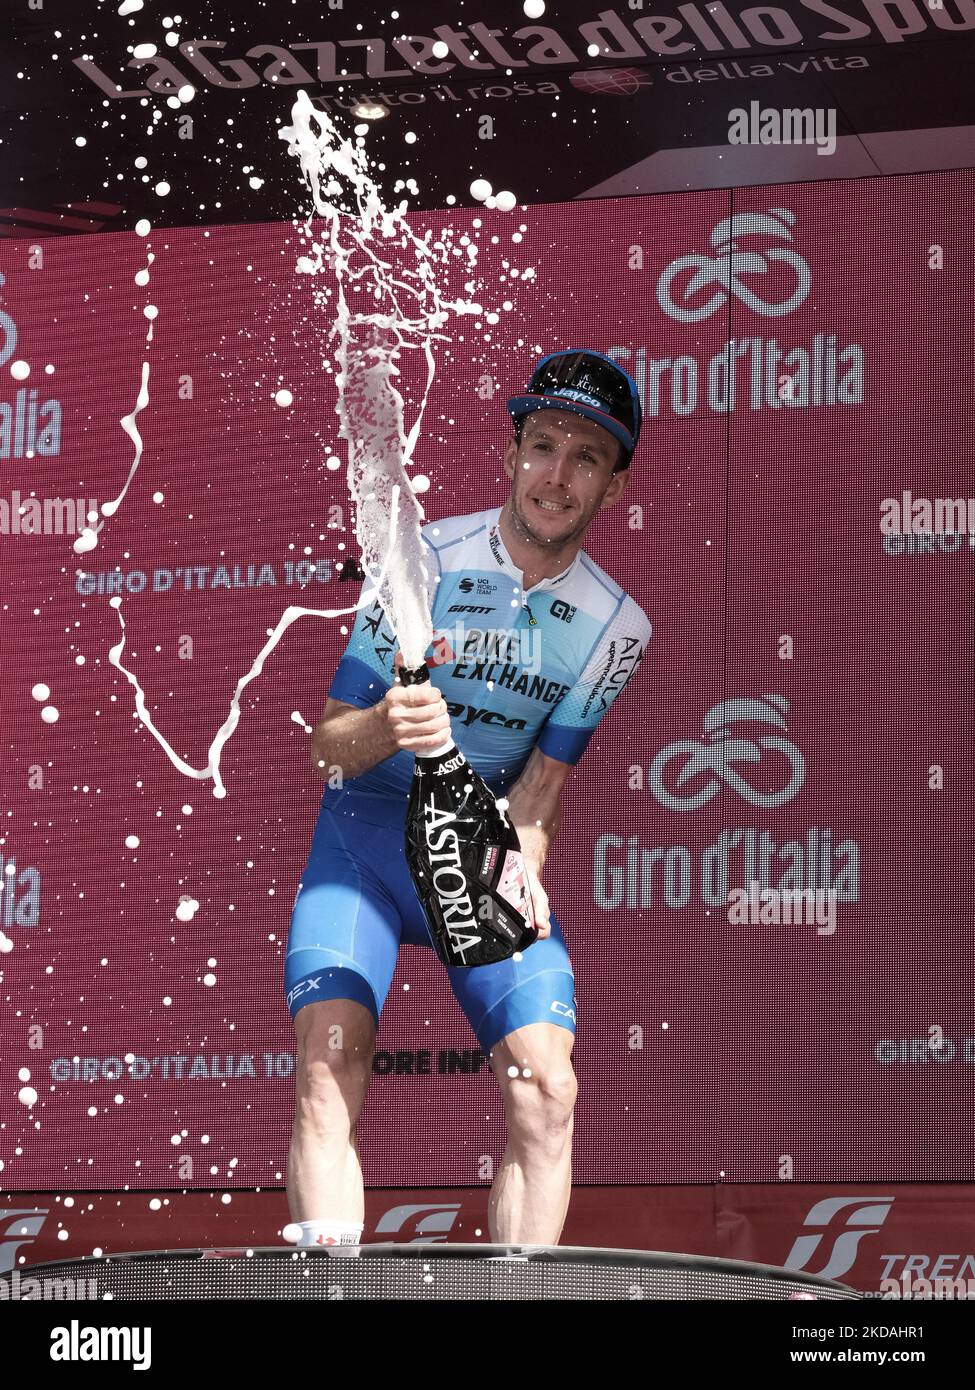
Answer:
(356, 905)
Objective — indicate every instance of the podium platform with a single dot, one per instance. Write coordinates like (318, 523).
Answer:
(438, 1271)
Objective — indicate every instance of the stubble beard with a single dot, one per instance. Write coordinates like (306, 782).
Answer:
(524, 527)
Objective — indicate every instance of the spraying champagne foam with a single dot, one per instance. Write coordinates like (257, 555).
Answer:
(384, 283)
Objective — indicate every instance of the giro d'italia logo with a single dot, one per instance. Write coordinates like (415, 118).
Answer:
(687, 774)
(610, 82)
(8, 333)
(695, 286)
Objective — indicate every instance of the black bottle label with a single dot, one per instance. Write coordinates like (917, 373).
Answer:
(466, 864)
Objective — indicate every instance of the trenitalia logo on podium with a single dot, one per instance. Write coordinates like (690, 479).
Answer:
(752, 268)
(834, 1229)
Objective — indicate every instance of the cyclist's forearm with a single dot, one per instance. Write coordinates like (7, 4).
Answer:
(353, 741)
(535, 811)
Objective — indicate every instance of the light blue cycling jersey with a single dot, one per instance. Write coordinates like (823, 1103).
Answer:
(516, 668)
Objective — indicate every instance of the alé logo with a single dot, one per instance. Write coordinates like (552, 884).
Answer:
(17, 1229)
(751, 274)
(840, 1224)
(430, 1222)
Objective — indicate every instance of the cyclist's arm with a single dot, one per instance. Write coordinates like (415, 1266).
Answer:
(351, 739)
(534, 798)
(409, 717)
(533, 805)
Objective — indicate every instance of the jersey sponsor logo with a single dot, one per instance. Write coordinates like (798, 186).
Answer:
(468, 608)
(557, 1007)
(508, 676)
(624, 655)
(499, 644)
(470, 714)
(383, 643)
(494, 541)
(467, 644)
(563, 610)
(483, 586)
(302, 987)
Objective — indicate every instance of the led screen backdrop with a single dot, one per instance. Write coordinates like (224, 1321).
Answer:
(802, 717)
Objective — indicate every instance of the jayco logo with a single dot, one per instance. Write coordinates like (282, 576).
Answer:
(27, 426)
(727, 268)
(716, 757)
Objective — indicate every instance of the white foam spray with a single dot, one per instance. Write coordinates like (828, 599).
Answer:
(382, 290)
(355, 261)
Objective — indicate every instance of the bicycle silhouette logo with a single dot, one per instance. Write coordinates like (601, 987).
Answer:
(716, 758)
(730, 264)
(8, 332)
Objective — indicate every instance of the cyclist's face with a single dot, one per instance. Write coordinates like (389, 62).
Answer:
(567, 461)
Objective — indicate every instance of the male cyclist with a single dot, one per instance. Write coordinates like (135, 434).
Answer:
(535, 643)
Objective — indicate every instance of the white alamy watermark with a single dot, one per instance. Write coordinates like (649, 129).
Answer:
(46, 516)
(910, 1285)
(927, 525)
(511, 652)
(77, 1343)
(908, 515)
(789, 907)
(26, 1288)
(789, 125)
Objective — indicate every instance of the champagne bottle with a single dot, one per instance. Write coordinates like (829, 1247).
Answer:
(464, 858)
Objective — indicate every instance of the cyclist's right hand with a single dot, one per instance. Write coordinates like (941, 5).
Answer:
(416, 715)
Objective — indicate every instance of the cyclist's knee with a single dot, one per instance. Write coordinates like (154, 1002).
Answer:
(335, 1040)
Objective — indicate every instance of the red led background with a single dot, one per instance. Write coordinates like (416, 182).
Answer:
(704, 1048)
